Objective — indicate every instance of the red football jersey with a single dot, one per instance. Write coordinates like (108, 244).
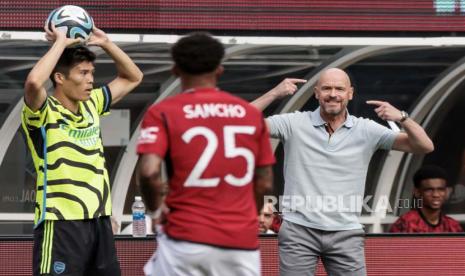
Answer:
(211, 142)
(414, 222)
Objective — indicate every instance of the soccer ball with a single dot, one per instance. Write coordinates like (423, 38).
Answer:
(72, 20)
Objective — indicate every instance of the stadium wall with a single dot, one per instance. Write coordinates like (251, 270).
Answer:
(387, 255)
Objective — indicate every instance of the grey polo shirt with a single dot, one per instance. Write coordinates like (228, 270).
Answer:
(325, 176)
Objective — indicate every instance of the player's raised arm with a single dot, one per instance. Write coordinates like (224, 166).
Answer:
(129, 75)
(415, 139)
(34, 91)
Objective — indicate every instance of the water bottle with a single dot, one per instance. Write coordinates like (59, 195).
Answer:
(138, 218)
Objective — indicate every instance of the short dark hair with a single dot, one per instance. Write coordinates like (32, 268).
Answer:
(428, 172)
(197, 53)
(70, 57)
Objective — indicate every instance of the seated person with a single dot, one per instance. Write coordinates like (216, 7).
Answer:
(431, 189)
(265, 219)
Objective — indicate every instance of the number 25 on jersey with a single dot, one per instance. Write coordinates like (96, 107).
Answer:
(230, 151)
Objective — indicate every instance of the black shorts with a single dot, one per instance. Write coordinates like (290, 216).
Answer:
(75, 247)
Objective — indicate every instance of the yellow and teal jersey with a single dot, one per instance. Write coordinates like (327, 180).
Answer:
(67, 150)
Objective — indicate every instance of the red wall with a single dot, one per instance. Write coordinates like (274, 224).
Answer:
(395, 255)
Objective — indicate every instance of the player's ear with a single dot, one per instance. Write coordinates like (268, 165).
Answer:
(58, 77)
(219, 70)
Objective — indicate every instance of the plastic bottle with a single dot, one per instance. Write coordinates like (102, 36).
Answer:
(138, 218)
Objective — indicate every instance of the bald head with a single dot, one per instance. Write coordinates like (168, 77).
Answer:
(334, 74)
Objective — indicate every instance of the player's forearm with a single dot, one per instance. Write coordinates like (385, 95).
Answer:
(44, 67)
(417, 137)
(126, 68)
(148, 177)
(263, 182)
(153, 191)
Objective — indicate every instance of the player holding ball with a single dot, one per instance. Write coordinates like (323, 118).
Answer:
(72, 232)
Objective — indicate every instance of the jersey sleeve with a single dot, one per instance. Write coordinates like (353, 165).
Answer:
(398, 226)
(265, 155)
(153, 136)
(34, 119)
(455, 225)
(381, 136)
(280, 126)
(101, 99)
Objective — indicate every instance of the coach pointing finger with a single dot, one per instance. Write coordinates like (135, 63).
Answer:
(414, 139)
(327, 152)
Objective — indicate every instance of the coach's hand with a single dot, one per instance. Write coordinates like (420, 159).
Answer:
(386, 111)
(287, 87)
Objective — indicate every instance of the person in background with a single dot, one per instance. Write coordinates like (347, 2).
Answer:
(218, 154)
(432, 191)
(265, 219)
